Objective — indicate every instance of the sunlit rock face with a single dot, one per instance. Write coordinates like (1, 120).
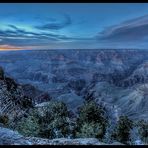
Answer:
(115, 77)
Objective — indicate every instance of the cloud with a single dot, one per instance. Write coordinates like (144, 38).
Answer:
(56, 25)
(20, 37)
(128, 31)
(15, 36)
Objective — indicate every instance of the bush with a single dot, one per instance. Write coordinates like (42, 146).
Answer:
(4, 119)
(55, 109)
(143, 131)
(57, 128)
(91, 113)
(11, 84)
(52, 121)
(55, 122)
(1, 73)
(26, 102)
(89, 130)
(29, 126)
(122, 133)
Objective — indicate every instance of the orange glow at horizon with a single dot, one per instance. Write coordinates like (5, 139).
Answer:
(9, 47)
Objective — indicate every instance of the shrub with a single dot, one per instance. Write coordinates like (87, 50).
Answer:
(1, 73)
(55, 122)
(4, 119)
(143, 131)
(55, 109)
(89, 130)
(122, 133)
(26, 102)
(90, 112)
(57, 128)
(29, 126)
(11, 84)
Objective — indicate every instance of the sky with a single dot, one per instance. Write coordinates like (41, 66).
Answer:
(73, 25)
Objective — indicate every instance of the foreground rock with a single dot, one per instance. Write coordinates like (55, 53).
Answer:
(10, 137)
(65, 141)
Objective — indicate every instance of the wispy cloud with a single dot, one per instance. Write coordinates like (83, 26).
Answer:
(53, 25)
(128, 31)
(15, 36)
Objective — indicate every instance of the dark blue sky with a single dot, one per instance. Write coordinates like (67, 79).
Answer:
(48, 26)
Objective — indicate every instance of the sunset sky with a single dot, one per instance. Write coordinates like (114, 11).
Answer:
(77, 25)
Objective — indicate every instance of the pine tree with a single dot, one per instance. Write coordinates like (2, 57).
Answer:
(122, 133)
(55, 122)
(92, 114)
(29, 126)
(143, 131)
(1, 74)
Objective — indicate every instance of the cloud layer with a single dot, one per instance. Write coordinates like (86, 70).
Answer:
(129, 31)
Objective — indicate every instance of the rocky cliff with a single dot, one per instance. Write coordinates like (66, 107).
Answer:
(16, 100)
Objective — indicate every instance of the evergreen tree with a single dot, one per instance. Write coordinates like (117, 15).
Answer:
(122, 133)
(55, 122)
(89, 130)
(92, 114)
(143, 131)
(1, 74)
(4, 119)
(29, 126)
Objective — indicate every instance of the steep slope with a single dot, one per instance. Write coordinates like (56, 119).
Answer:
(16, 100)
(131, 101)
(115, 76)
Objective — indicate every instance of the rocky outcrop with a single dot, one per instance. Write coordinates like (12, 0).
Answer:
(65, 141)
(37, 95)
(15, 99)
(31, 91)
(12, 101)
(9, 137)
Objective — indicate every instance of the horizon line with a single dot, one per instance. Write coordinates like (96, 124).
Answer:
(73, 49)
